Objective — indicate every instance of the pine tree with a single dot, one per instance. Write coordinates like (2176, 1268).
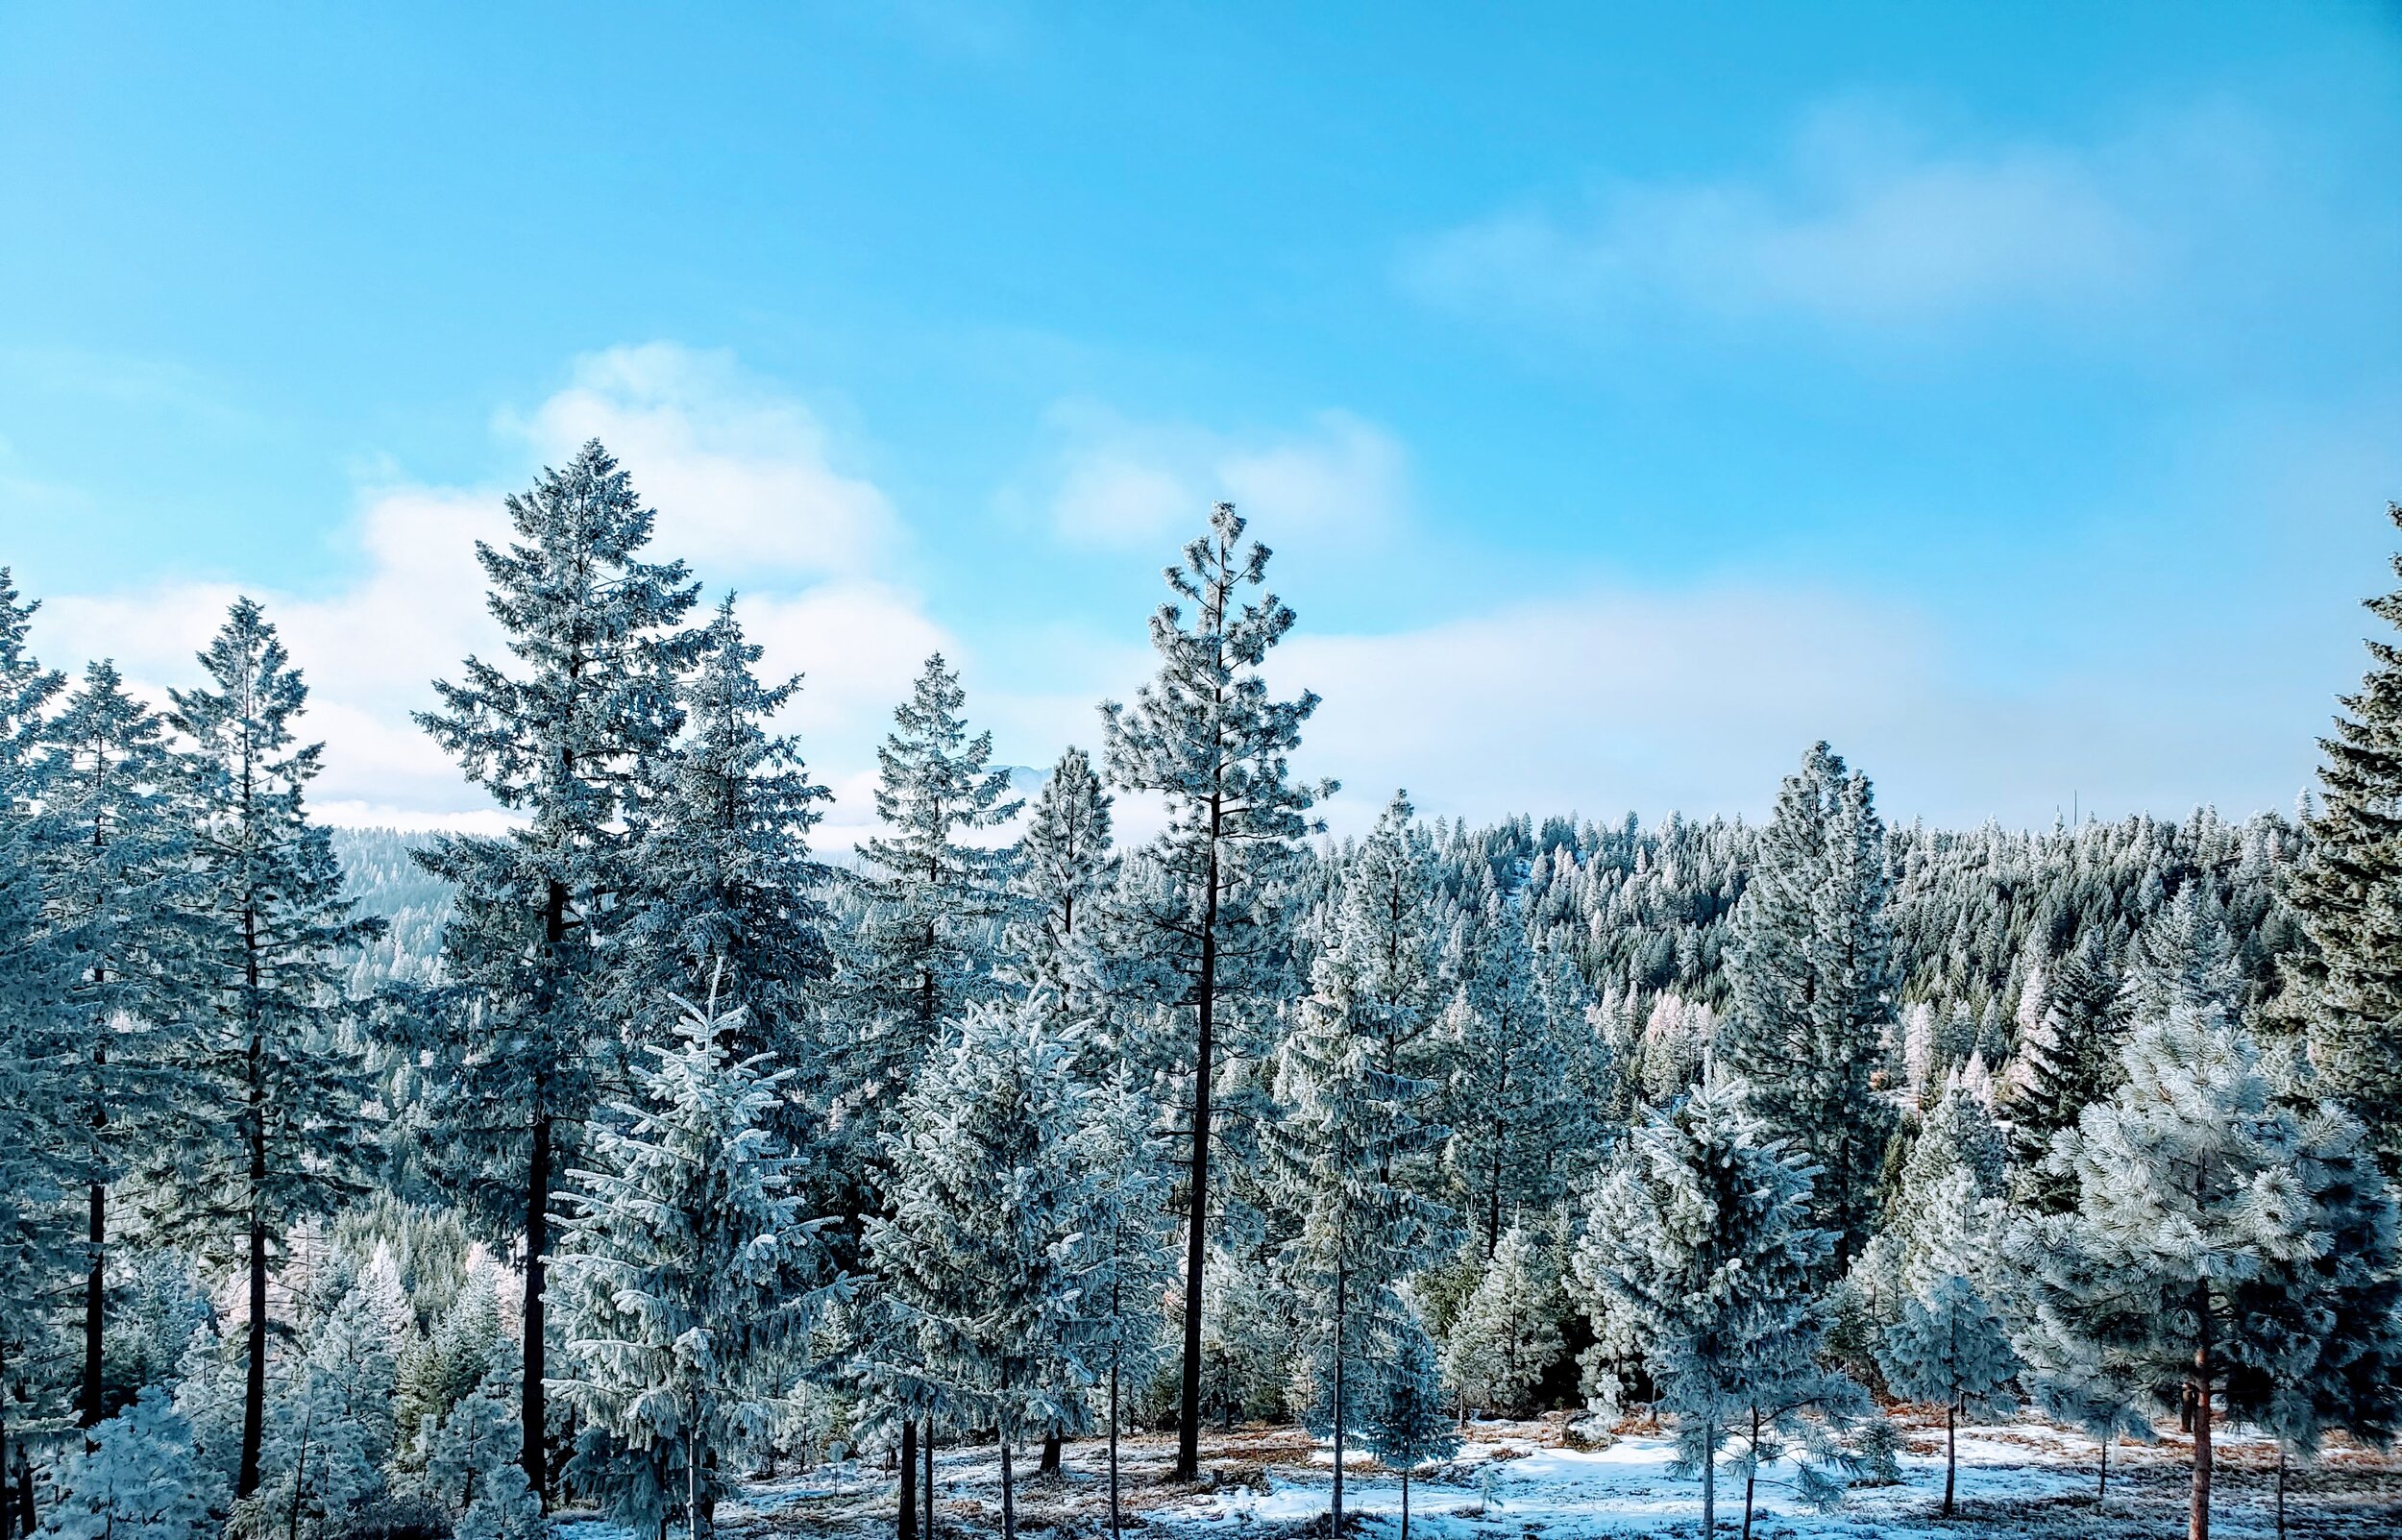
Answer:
(1507, 1336)
(334, 1433)
(1948, 1346)
(1702, 1230)
(37, 1252)
(139, 1481)
(1345, 1129)
(982, 1267)
(688, 1280)
(1131, 1270)
(1064, 871)
(2070, 1059)
(729, 896)
(2348, 894)
(522, 1055)
(2212, 1220)
(1386, 938)
(1406, 1426)
(1204, 736)
(269, 927)
(117, 890)
(1808, 959)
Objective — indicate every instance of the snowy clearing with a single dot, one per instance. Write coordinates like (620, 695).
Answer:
(2025, 1478)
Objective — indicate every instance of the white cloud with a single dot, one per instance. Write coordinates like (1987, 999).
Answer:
(1858, 226)
(742, 474)
(1121, 484)
(742, 479)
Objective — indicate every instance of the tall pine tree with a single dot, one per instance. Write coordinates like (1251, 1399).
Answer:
(1206, 736)
(272, 925)
(523, 1055)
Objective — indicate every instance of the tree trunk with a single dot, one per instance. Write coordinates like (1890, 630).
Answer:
(2280, 1492)
(254, 1339)
(537, 1242)
(95, 1294)
(1196, 1222)
(1752, 1474)
(909, 1480)
(1405, 1504)
(929, 1481)
(1009, 1496)
(1951, 1453)
(1336, 1531)
(2198, 1517)
(25, 1506)
(1115, 1519)
(1049, 1465)
(1709, 1483)
(2101, 1492)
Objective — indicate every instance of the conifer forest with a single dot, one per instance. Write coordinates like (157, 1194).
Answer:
(643, 1171)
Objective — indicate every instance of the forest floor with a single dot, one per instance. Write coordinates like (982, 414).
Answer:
(1517, 1480)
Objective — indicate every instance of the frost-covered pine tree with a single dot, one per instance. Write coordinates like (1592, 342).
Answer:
(2069, 1060)
(729, 896)
(117, 887)
(1385, 936)
(269, 924)
(1948, 1346)
(1406, 1426)
(1206, 736)
(1062, 877)
(334, 1433)
(935, 898)
(2349, 894)
(1701, 1230)
(1345, 1130)
(139, 1479)
(521, 1053)
(688, 1279)
(1130, 1267)
(2211, 1221)
(1508, 1100)
(1809, 964)
(983, 1266)
(38, 1250)
(1506, 1336)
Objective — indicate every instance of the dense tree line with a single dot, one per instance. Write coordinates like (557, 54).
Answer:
(354, 1183)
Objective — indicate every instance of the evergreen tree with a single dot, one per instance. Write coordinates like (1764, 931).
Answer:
(1204, 736)
(983, 1267)
(1131, 1269)
(1507, 1336)
(1406, 1426)
(2069, 1060)
(1702, 1230)
(521, 1054)
(2213, 1223)
(936, 899)
(1062, 877)
(2348, 894)
(688, 1280)
(117, 890)
(1345, 1128)
(1386, 938)
(1948, 1346)
(1808, 959)
(37, 1252)
(270, 924)
(139, 1481)
(334, 1431)
(729, 896)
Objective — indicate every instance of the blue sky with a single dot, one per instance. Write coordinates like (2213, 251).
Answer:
(2008, 394)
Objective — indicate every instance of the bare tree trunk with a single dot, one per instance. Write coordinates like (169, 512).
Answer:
(1113, 1508)
(1197, 1203)
(95, 1297)
(1709, 1483)
(1951, 1453)
(1336, 1531)
(2198, 1517)
(1049, 1465)
(929, 1482)
(2101, 1492)
(1752, 1474)
(254, 1339)
(909, 1480)
(530, 1408)
(1405, 1504)
(1009, 1496)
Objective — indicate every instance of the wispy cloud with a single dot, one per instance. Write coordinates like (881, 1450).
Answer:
(1858, 224)
(1114, 482)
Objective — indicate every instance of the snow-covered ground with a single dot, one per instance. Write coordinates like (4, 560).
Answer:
(1517, 1480)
